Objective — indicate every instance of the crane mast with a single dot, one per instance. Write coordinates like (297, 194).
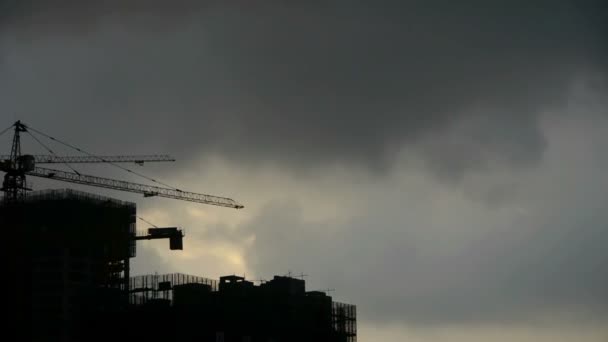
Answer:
(14, 184)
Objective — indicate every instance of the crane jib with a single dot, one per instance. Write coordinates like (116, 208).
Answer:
(52, 159)
(146, 190)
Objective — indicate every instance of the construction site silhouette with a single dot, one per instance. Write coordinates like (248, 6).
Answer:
(69, 258)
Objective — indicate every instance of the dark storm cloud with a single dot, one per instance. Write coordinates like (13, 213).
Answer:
(458, 85)
(548, 264)
(301, 84)
(505, 277)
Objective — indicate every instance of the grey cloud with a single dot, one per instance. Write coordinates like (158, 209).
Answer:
(405, 273)
(419, 253)
(459, 85)
(301, 85)
(148, 261)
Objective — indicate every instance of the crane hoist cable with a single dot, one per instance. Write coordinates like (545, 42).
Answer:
(7, 129)
(148, 222)
(101, 159)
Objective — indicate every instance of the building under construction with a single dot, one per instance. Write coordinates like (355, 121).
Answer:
(70, 253)
(188, 308)
(69, 256)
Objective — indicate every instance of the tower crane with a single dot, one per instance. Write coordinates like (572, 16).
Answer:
(18, 166)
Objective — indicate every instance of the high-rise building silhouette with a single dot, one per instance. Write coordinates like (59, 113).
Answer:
(68, 255)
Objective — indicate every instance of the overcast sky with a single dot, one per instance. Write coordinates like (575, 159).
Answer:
(440, 164)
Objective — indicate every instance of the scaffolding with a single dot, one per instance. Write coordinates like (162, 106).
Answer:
(98, 227)
(70, 194)
(235, 304)
(155, 287)
(69, 251)
(344, 321)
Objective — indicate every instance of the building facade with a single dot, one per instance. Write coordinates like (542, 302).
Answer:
(68, 254)
(236, 310)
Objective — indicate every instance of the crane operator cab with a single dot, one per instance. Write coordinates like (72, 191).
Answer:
(26, 163)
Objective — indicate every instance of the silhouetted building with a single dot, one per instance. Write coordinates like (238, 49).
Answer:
(68, 253)
(188, 308)
(68, 256)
